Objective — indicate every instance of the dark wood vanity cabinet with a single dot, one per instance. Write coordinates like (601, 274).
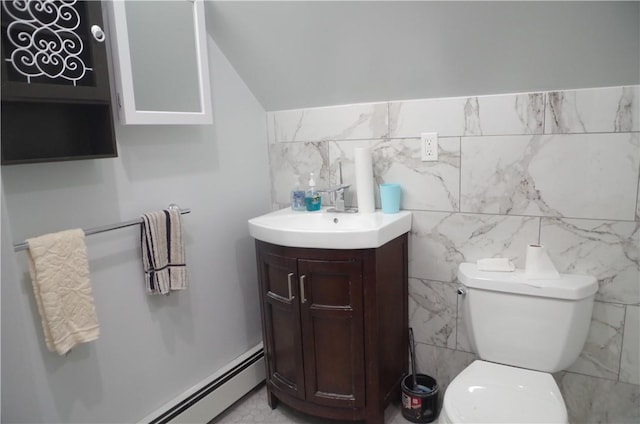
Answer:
(334, 327)
(56, 99)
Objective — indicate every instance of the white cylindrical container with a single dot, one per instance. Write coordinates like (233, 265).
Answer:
(364, 179)
(538, 265)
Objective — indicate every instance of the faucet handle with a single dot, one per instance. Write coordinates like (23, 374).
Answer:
(339, 188)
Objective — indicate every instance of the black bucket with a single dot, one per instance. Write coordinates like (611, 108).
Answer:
(420, 406)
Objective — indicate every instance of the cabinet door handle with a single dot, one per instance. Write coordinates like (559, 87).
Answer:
(289, 282)
(302, 295)
(98, 33)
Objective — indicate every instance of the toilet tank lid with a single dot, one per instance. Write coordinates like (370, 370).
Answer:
(568, 286)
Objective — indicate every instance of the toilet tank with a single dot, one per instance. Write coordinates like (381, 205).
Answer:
(535, 324)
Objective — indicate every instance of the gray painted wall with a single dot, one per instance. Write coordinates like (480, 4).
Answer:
(306, 54)
(151, 349)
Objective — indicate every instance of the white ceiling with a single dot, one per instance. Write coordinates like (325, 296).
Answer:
(296, 54)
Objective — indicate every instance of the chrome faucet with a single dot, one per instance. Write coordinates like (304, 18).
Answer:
(337, 195)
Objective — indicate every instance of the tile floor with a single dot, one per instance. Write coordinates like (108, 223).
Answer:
(253, 408)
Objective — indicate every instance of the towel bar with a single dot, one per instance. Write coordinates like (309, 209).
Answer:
(24, 245)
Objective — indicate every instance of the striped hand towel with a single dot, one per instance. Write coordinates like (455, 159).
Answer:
(163, 257)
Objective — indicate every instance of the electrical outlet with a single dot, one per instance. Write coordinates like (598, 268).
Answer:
(429, 146)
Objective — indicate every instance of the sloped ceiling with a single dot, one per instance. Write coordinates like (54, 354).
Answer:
(295, 54)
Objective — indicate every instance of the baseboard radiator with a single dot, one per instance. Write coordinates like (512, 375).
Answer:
(208, 399)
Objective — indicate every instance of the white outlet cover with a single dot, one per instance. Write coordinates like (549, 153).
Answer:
(429, 146)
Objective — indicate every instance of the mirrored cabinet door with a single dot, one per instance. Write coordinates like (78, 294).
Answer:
(160, 59)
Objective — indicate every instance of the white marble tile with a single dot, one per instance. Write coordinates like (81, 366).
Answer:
(441, 363)
(572, 175)
(341, 152)
(606, 110)
(425, 185)
(630, 360)
(440, 241)
(462, 338)
(607, 250)
(638, 201)
(348, 122)
(292, 162)
(432, 312)
(277, 206)
(468, 116)
(596, 400)
(600, 356)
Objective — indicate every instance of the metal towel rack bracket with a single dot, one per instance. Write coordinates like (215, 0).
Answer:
(24, 245)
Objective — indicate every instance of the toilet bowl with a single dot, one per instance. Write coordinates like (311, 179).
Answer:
(485, 392)
(522, 330)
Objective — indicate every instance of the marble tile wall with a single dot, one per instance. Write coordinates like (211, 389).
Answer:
(558, 168)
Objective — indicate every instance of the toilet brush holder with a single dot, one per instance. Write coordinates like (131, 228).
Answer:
(420, 404)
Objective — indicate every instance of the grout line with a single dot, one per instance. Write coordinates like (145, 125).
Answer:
(559, 218)
(598, 377)
(539, 230)
(637, 213)
(468, 136)
(388, 136)
(624, 323)
(544, 113)
(460, 176)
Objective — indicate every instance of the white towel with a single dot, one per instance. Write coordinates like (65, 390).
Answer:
(163, 257)
(60, 275)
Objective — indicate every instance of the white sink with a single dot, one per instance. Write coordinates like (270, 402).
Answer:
(329, 230)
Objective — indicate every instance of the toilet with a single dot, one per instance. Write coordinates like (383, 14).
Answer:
(522, 330)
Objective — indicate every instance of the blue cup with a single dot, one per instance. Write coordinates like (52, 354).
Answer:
(390, 197)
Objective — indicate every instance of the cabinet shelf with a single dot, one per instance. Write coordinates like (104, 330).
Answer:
(56, 131)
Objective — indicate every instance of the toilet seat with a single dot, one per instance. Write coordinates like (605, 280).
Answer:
(485, 392)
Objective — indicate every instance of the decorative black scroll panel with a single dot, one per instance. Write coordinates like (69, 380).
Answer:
(46, 42)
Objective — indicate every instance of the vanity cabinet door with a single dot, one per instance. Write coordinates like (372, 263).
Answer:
(281, 322)
(335, 328)
(332, 331)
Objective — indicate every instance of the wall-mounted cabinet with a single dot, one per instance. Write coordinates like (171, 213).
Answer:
(56, 102)
(160, 62)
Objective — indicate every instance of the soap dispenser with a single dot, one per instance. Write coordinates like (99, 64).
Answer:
(297, 197)
(312, 198)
